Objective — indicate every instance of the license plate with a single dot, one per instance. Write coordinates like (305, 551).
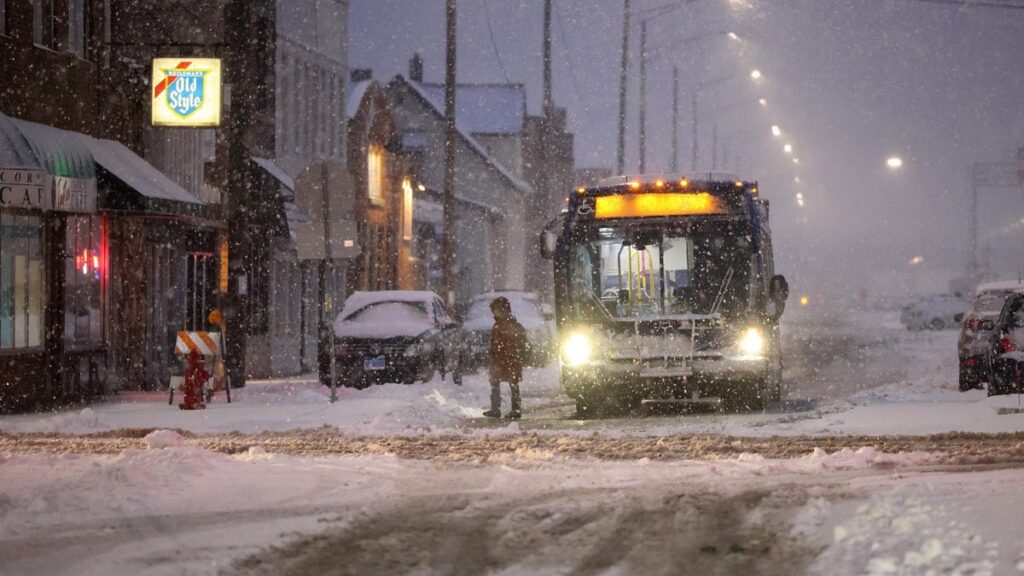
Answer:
(376, 363)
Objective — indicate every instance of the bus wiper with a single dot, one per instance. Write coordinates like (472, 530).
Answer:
(721, 291)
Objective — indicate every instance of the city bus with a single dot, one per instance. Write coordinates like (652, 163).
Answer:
(665, 292)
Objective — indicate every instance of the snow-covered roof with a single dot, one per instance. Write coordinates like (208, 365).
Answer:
(355, 97)
(1001, 285)
(60, 152)
(135, 172)
(510, 294)
(15, 151)
(485, 108)
(276, 171)
(463, 133)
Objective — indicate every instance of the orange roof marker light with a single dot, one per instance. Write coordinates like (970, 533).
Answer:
(581, 190)
(739, 184)
(659, 184)
(635, 185)
(684, 183)
(657, 204)
(753, 191)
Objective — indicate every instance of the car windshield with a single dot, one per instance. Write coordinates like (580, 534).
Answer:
(990, 302)
(390, 312)
(630, 272)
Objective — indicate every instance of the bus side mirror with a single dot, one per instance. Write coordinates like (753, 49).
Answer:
(778, 293)
(549, 237)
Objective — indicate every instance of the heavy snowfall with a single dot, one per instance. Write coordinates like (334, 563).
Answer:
(716, 287)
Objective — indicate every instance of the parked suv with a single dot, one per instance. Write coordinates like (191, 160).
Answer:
(976, 326)
(392, 336)
(1006, 351)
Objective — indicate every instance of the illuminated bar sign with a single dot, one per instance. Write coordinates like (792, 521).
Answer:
(655, 204)
(186, 92)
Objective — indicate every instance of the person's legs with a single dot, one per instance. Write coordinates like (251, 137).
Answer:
(495, 410)
(517, 401)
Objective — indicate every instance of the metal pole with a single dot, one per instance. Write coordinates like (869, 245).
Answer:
(448, 243)
(542, 195)
(327, 276)
(972, 231)
(621, 159)
(695, 147)
(714, 146)
(675, 119)
(643, 96)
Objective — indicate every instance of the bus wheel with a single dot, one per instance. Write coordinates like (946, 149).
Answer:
(589, 406)
(745, 395)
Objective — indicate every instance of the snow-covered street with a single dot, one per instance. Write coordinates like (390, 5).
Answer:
(842, 477)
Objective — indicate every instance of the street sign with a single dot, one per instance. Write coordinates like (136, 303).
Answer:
(186, 92)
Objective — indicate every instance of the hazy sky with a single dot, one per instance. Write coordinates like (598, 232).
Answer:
(850, 82)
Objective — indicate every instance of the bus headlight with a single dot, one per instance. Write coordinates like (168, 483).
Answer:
(577, 349)
(752, 342)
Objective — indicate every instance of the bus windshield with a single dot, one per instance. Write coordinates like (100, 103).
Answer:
(620, 272)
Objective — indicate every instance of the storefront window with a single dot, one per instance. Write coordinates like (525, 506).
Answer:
(84, 281)
(21, 281)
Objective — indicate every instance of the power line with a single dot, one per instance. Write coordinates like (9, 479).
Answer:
(494, 42)
(568, 54)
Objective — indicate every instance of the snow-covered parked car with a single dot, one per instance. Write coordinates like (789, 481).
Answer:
(976, 327)
(937, 312)
(392, 336)
(1006, 348)
(534, 315)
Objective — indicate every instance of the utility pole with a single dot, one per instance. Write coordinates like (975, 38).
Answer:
(695, 148)
(542, 196)
(621, 161)
(714, 146)
(972, 227)
(327, 276)
(242, 66)
(675, 119)
(448, 242)
(643, 96)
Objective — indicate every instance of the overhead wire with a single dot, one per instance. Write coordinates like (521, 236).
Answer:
(494, 42)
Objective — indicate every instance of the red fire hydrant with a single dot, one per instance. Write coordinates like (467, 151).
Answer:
(195, 376)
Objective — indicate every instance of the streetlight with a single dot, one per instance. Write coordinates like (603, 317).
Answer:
(800, 199)
(756, 74)
(796, 160)
(762, 101)
(788, 148)
(776, 131)
(894, 163)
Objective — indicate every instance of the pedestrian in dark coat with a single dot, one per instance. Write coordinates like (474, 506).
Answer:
(508, 354)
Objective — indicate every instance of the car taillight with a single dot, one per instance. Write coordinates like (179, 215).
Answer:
(1007, 345)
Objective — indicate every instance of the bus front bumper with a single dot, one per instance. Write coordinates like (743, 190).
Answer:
(687, 377)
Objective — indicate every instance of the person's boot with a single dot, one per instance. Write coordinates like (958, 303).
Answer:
(517, 404)
(495, 411)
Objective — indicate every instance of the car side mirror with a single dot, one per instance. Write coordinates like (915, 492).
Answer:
(959, 317)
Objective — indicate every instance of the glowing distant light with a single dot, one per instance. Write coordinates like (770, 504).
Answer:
(796, 160)
(917, 260)
(776, 131)
(684, 183)
(733, 36)
(800, 199)
(421, 188)
(762, 101)
(634, 185)
(659, 183)
(804, 300)
(894, 163)
(788, 148)
(796, 179)
(581, 190)
(756, 74)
